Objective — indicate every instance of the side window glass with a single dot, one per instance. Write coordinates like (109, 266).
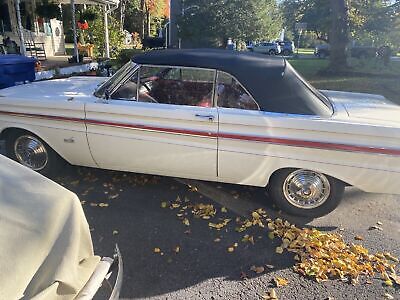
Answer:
(128, 90)
(231, 94)
(178, 86)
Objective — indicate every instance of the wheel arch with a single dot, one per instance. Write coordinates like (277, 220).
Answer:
(282, 169)
(5, 133)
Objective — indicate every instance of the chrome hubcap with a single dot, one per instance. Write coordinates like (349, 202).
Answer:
(306, 189)
(31, 152)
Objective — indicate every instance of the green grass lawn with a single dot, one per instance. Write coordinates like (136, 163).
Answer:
(365, 76)
(305, 51)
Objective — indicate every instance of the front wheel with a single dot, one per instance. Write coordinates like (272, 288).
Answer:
(32, 152)
(305, 193)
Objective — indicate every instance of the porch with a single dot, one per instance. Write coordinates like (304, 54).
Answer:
(31, 35)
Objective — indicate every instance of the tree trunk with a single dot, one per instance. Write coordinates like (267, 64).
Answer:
(338, 37)
(142, 18)
(148, 23)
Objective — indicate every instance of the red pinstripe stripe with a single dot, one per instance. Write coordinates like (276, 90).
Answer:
(270, 140)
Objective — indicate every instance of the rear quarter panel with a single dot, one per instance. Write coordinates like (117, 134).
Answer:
(263, 143)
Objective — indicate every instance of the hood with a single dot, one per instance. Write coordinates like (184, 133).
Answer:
(56, 89)
(367, 107)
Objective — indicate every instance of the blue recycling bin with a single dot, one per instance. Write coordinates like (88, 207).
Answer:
(16, 69)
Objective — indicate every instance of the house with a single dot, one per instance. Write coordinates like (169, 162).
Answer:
(19, 22)
(44, 32)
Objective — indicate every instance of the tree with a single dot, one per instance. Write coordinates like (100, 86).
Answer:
(369, 21)
(338, 35)
(211, 23)
(143, 15)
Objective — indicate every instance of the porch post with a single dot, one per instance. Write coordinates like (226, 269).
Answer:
(76, 53)
(106, 37)
(19, 26)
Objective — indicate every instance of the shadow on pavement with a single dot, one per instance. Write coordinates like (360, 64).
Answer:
(126, 209)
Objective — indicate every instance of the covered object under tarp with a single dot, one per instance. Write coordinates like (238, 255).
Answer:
(46, 250)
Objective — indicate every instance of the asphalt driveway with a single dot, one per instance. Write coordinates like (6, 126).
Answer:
(193, 260)
(166, 257)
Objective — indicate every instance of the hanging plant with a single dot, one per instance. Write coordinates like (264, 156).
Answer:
(87, 15)
(47, 10)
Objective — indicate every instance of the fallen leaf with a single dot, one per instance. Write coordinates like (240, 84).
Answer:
(388, 296)
(257, 270)
(103, 204)
(375, 227)
(157, 250)
(224, 210)
(395, 278)
(217, 240)
(390, 257)
(164, 204)
(93, 204)
(270, 266)
(271, 295)
(186, 221)
(175, 205)
(243, 276)
(115, 232)
(279, 250)
(177, 249)
(231, 249)
(379, 223)
(388, 282)
(358, 238)
(279, 281)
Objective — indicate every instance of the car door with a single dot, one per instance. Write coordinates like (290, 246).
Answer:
(160, 121)
(241, 157)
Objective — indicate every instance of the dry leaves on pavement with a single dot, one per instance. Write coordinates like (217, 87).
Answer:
(326, 256)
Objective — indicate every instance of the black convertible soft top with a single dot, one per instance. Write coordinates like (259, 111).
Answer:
(271, 80)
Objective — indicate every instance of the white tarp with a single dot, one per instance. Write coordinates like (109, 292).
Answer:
(46, 251)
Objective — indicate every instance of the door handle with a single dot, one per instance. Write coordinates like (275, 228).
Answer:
(209, 117)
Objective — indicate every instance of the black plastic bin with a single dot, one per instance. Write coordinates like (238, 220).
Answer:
(16, 69)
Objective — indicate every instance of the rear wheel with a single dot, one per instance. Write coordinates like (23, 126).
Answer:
(271, 52)
(305, 192)
(32, 152)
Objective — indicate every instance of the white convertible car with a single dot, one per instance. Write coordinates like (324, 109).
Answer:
(212, 115)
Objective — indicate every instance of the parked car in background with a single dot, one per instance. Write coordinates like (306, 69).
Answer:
(363, 52)
(322, 50)
(287, 47)
(270, 48)
(46, 250)
(226, 116)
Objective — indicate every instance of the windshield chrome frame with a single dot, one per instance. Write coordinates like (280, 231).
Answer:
(114, 86)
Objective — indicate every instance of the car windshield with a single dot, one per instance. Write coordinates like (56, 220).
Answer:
(112, 81)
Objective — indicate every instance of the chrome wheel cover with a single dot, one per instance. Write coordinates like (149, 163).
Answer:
(306, 189)
(31, 152)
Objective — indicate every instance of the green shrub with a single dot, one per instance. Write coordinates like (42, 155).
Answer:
(96, 36)
(126, 54)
